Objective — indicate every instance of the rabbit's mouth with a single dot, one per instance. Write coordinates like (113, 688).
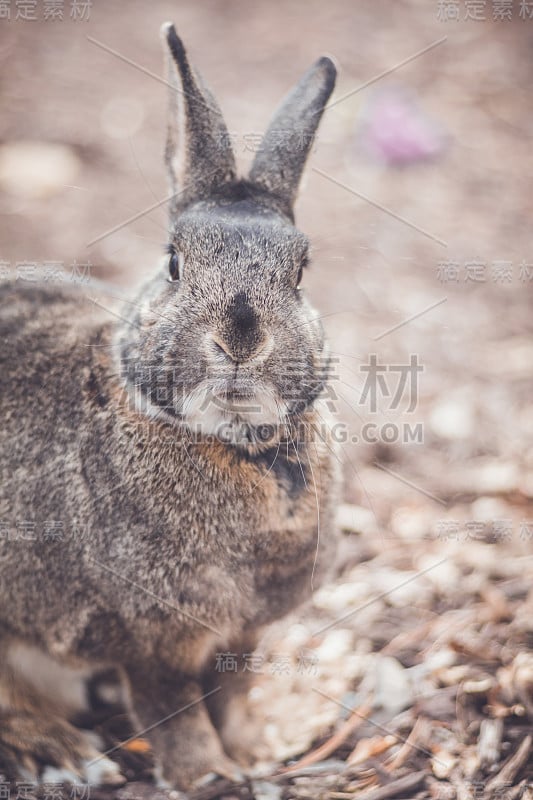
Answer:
(234, 395)
(234, 391)
(215, 407)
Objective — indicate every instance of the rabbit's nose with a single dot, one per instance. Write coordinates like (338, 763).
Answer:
(240, 337)
(240, 351)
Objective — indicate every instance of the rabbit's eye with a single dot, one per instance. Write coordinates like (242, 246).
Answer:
(304, 261)
(175, 266)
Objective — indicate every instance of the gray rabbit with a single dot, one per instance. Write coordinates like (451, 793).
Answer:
(168, 472)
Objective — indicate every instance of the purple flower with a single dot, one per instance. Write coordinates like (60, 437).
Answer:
(397, 131)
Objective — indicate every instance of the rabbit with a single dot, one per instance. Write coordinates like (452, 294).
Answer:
(169, 474)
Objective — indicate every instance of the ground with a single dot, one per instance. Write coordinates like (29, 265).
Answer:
(411, 673)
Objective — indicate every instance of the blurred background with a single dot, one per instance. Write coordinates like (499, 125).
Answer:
(417, 200)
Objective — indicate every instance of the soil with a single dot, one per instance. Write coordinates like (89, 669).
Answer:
(411, 673)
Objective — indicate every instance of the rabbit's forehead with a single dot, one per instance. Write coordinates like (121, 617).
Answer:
(236, 235)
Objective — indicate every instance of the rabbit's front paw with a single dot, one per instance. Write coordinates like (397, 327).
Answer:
(43, 750)
(219, 767)
(190, 762)
(245, 742)
(198, 768)
(171, 710)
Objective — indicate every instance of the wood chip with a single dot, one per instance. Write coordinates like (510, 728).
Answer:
(367, 748)
(400, 786)
(511, 768)
(421, 730)
(522, 679)
(355, 720)
(441, 705)
(443, 763)
(480, 686)
(497, 608)
(489, 741)
(441, 790)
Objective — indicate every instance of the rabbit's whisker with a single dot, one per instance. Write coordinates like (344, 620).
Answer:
(147, 591)
(143, 176)
(348, 460)
(161, 245)
(346, 355)
(357, 413)
(299, 462)
(195, 465)
(113, 313)
(136, 305)
(325, 441)
(315, 561)
(356, 390)
(111, 344)
(322, 316)
(268, 470)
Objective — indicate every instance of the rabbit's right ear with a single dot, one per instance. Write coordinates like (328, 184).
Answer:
(281, 157)
(198, 152)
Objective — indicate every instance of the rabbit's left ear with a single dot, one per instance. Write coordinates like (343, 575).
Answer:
(283, 152)
(198, 152)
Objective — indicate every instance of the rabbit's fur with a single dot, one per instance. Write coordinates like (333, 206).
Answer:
(173, 540)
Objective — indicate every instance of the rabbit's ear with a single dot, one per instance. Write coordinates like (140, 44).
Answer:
(283, 152)
(198, 152)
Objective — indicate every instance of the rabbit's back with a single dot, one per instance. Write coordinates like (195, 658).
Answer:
(45, 361)
(46, 334)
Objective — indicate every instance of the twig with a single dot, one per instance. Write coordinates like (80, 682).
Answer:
(420, 730)
(217, 788)
(333, 743)
(511, 768)
(405, 784)
(367, 749)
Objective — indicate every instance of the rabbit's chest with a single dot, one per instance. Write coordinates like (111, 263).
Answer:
(264, 510)
(256, 517)
(265, 495)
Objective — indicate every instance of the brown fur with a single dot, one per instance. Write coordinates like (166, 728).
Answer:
(171, 550)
